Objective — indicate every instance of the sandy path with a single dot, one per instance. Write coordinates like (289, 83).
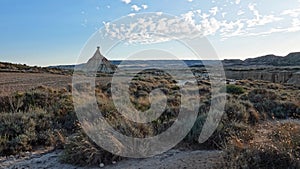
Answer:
(174, 159)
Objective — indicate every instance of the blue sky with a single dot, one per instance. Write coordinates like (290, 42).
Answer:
(51, 32)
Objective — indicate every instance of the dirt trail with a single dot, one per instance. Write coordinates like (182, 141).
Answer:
(173, 159)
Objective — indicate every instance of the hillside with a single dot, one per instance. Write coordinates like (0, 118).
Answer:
(23, 68)
(292, 59)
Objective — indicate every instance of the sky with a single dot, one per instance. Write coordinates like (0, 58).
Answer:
(53, 32)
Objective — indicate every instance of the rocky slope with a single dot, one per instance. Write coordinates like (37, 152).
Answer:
(276, 69)
(292, 59)
(289, 76)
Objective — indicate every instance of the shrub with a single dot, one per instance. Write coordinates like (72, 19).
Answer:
(281, 152)
(40, 117)
(233, 89)
(80, 150)
(268, 103)
(22, 131)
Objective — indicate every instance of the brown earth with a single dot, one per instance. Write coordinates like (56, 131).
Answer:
(173, 159)
(11, 82)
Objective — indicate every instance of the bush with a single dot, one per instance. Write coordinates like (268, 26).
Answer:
(40, 117)
(270, 105)
(80, 150)
(234, 89)
(282, 152)
(22, 131)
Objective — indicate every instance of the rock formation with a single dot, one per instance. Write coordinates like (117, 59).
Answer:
(292, 59)
(98, 63)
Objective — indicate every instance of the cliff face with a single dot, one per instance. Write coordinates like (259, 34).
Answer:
(276, 69)
(295, 79)
(284, 76)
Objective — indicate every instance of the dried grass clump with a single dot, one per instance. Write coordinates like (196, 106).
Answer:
(277, 147)
(270, 104)
(80, 150)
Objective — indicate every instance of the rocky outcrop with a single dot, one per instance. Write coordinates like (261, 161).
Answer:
(292, 59)
(275, 76)
(295, 79)
(99, 63)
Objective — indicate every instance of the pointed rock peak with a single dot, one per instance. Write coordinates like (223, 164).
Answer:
(97, 55)
(99, 62)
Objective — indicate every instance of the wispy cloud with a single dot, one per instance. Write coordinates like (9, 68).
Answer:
(153, 29)
(249, 21)
(291, 12)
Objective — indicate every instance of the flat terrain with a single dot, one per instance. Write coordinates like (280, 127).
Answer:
(13, 82)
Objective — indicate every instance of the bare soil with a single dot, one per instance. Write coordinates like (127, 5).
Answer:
(173, 159)
(14, 82)
(11, 82)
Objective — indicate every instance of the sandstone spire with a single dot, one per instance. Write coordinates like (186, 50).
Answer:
(100, 63)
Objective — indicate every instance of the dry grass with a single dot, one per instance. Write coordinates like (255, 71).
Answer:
(243, 132)
(274, 145)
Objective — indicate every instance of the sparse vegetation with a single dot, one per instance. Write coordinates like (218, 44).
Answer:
(44, 116)
(41, 117)
(275, 146)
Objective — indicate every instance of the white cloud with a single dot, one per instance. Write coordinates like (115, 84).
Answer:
(262, 20)
(255, 11)
(214, 11)
(251, 6)
(197, 22)
(126, 1)
(145, 6)
(292, 12)
(240, 12)
(190, 0)
(159, 13)
(259, 19)
(224, 14)
(154, 29)
(135, 8)
(188, 17)
(237, 2)
(131, 14)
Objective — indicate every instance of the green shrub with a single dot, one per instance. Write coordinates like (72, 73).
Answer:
(233, 89)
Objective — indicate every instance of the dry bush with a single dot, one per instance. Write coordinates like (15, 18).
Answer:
(80, 150)
(270, 105)
(40, 117)
(281, 149)
(24, 131)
